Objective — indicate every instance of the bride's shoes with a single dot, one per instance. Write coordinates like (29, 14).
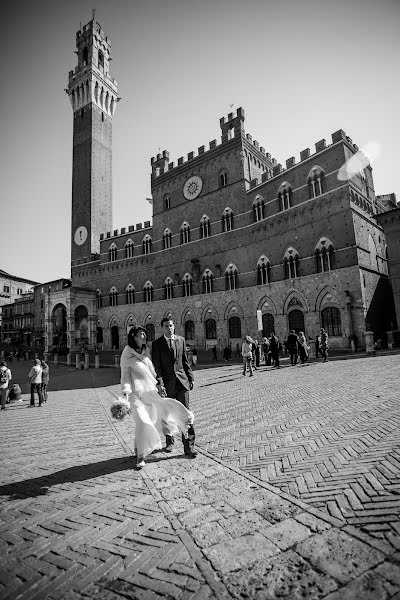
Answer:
(140, 465)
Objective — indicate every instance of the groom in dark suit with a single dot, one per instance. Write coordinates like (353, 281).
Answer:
(174, 376)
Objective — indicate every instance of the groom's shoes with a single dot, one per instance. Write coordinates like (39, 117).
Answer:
(169, 441)
(191, 453)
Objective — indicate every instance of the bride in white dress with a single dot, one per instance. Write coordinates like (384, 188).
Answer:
(155, 416)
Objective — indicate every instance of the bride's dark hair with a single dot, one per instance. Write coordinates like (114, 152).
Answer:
(131, 338)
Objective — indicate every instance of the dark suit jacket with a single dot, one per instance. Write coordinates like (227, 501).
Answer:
(171, 366)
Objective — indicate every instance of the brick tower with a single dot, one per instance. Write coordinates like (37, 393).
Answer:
(93, 96)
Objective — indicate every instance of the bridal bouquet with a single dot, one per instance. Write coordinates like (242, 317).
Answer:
(120, 408)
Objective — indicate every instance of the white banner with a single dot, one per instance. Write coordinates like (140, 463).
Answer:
(259, 320)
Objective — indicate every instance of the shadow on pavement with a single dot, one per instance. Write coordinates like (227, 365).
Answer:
(39, 486)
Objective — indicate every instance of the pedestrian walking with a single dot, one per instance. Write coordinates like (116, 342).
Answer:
(265, 350)
(257, 352)
(45, 379)
(35, 379)
(274, 350)
(175, 377)
(324, 345)
(292, 345)
(214, 353)
(247, 355)
(154, 412)
(5, 378)
(303, 347)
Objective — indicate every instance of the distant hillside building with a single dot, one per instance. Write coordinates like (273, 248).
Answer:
(234, 232)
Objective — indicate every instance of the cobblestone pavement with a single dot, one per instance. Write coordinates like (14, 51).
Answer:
(78, 521)
(326, 433)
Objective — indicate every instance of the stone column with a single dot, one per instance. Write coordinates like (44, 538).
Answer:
(86, 360)
(55, 359)
(311, 352)
(96, 361)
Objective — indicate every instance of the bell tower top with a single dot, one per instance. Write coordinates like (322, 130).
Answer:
(91, 79)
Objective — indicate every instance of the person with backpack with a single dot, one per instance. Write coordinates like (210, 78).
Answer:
(5, 377)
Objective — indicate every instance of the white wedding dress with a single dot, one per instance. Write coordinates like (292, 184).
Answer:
(154, 416)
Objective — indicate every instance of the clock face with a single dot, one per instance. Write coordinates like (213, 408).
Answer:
(80, 236)
(192, 187)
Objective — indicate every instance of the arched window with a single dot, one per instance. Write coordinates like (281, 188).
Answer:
(331, 321)
(227, 220)
(204, 227)
(324, 255)
(148, 292)
(168, 289)
(263, 271)
(259, 208)
(268, 323)
(151, 334)
(129, 247)
(223, 179)
(189, 330)
(112, 253)
(291, 263)
(296, 320)
(146, 244)
(113, 296)
(85, 56)
(285, 196)
(316, 182)
(130, 294)
(167, 239)
(187, 285)
(167, 202)
(185, 233)
(101, 60)
(231, 277)
(208, 282)
(99, 299)
(211, 329)
(235, 327)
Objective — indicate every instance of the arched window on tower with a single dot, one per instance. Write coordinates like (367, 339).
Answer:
(291, 263)
(101, 60)
(129, 248)
(112, 253)
(187, 285)
(285, 196)
(259, 208)
(263, 271)
(185, 233)
(316, 182)
(227, 220)
(148, 292)
(208, 282)
(204, 227)
(324, 255)
(146, 244)
(223, 179)
(168, 289)
(99, 299)
(113, 296)
(167, 202)
(85, 56)
(130, 294)
(167, 239)
(231, 277)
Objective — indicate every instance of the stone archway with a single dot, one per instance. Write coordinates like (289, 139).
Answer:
(59, 325)
(81, 326)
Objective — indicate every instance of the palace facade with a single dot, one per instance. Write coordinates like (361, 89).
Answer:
(238, 241)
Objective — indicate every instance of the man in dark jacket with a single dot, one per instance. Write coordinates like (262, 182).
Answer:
(292, 344)
(174, 375)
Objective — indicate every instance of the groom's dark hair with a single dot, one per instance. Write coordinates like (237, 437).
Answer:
(165, 319)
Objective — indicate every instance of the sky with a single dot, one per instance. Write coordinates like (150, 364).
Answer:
(301, 69)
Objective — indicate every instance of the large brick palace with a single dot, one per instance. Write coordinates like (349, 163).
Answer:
(237, 240)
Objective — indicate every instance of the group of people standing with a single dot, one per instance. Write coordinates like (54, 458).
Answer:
(38, 380)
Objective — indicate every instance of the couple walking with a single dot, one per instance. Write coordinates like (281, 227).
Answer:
(160, 391)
